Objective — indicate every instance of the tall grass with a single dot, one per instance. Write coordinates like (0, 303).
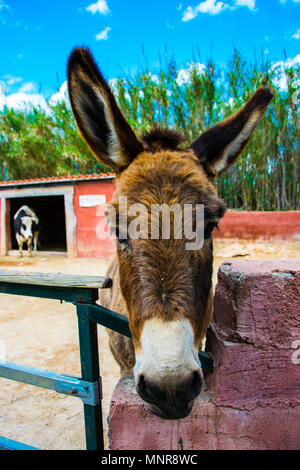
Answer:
(266, 175)
(37, 143)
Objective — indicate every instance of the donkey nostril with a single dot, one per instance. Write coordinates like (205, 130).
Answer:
(197, 381)
(194, 385)
(150, 392)
(144, 389)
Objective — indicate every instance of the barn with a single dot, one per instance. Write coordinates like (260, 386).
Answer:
(70, 210)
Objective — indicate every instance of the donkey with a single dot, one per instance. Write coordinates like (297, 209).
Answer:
(163, 289)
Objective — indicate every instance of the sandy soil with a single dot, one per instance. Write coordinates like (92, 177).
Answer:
(43, 333)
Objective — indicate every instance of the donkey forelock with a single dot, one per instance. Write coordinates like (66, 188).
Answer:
(164, 288)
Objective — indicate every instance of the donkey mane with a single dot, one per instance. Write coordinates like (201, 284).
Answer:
(162, 139)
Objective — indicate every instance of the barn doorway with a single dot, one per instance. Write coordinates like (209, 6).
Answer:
(51, 213)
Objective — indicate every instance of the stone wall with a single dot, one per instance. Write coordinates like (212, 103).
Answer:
(252, 399)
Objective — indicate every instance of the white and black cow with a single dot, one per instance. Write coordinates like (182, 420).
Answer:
(26, 228)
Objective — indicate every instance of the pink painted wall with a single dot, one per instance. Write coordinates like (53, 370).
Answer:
(91, 222)
(235, 224)
(260, 225)
(252, 399)
(242, 225)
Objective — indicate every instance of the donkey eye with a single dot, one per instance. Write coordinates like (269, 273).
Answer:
(209, 228)
(123, 243)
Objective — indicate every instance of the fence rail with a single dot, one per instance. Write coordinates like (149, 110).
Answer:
(83, 292)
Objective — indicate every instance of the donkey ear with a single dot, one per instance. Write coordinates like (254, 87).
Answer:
(100, 120)
(219, 147)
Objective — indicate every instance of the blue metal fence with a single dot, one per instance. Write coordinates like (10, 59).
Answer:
(87, 387)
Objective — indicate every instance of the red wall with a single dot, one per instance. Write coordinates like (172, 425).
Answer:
(91, 220)
(243, 225)
(260, 225)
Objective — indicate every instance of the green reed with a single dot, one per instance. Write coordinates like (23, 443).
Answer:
(36, 143)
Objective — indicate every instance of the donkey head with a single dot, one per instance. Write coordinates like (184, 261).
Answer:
(167, 288)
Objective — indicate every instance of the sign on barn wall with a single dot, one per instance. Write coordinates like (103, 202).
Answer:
(92, 200)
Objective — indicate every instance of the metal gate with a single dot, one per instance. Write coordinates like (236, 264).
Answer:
(82, 291)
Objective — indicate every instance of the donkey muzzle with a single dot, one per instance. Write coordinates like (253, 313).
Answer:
(173, 397)
(167, 372)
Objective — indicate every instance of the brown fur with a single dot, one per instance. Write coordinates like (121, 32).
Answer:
(160, 278)
(161, 139)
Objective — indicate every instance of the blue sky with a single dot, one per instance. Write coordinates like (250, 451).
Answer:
(37, 36)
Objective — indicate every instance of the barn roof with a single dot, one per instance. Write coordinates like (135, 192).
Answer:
(56, 179)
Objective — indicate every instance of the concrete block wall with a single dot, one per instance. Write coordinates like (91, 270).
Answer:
(258, 225)
(252, 399)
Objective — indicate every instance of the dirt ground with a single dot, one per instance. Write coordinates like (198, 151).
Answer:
(43, 333)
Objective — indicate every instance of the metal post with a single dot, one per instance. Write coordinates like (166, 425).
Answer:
(88, 344)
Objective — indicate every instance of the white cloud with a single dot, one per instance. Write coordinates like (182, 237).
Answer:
(246, 3)
(3, 5)
(295, 62)
(103, 35)
(297, 34)
(281, 80)
(25, 98)
(214, 7)
(21, 101)
(208, 6)
(61, 95)
(154, 78)
(184, 75)
(27, 87)
(113, 84)
(99, 7)
(11, 80)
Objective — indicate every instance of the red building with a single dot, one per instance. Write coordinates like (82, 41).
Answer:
(70, 209)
